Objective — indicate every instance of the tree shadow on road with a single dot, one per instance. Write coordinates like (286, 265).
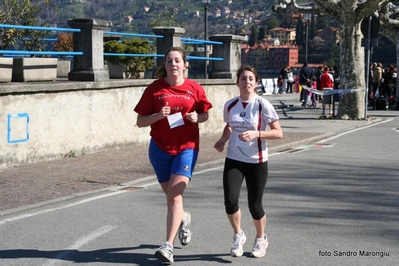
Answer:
(112, 255)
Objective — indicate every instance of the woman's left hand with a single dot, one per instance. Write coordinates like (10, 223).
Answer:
(248, 135)
(192, 117)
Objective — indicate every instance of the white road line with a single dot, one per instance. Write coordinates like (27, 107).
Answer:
(19, 217)
(356, 129)
(80, 243)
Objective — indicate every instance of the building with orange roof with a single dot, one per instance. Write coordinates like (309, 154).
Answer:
(264, 56)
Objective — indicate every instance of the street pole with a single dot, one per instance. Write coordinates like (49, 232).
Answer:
(366, 97)
(306, 47)
(205, 45)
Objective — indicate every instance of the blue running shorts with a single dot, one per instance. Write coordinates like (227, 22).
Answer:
(165, 164)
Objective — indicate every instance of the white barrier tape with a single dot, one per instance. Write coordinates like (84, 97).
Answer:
(330, 91)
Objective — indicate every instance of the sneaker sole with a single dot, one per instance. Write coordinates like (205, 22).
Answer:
(261, 254)
(258, 256)
(188, 239)
(241, 253)
(237, 255)
(162, 258)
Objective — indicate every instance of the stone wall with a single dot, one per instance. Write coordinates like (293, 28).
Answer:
(52, 120)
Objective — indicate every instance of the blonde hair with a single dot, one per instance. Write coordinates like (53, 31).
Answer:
(161, 71)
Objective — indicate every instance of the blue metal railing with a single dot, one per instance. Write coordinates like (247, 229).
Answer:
(184, 41)
(38, 28)
(17, 52)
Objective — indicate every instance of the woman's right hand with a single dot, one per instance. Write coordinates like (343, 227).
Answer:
(219, 145)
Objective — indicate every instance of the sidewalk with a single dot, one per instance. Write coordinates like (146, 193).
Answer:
(38, 184)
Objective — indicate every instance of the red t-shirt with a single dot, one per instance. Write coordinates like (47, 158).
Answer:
(326, 80)
(186, 98)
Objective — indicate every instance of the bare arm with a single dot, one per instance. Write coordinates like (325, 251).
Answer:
(219, 145)
(148, 120)
(275, 132)
(193, 117)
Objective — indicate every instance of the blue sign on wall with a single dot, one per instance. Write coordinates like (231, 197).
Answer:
(18, 128)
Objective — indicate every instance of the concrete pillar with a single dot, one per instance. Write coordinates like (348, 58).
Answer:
(172, 38)
(230, 50)
(90, 65)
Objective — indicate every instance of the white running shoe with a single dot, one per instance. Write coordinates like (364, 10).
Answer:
(184, 232)
(165, 253)
(260, 247)
(238, 244)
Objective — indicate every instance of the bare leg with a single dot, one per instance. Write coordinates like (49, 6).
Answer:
(174, 196)
(235, 221)
(260, 226)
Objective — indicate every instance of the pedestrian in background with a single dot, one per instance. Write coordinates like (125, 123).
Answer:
(377, 78)
(318, 74)
(296, 78)
(284, 74)
(173, 106)
(327, 83)
(280, 84)
(247, 117)
(290, 80)
(305, 78)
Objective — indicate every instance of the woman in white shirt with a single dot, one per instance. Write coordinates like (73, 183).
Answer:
(247, 117)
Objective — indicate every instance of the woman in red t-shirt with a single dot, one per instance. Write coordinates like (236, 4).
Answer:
(173, 106)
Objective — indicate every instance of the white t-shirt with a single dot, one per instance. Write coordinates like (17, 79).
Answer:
(257, 114)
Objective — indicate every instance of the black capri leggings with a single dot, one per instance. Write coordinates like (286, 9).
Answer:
(255, 177)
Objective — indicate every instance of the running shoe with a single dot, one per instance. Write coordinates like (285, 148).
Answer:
(165, 253)
(260, 247)
(184, 232)
(238, 244)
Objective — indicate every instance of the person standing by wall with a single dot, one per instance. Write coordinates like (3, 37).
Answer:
(290, 80)
(247, 117)
(283, 73)
(318, 74)
(377, 78)
(173, 106)
(280, 84)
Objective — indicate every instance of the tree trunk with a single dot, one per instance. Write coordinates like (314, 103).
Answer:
(397, 66)
(352, 67)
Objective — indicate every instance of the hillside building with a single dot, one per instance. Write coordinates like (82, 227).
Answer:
(264, 56)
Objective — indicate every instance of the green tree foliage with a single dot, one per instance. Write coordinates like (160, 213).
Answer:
(133, 64)
(26, 13)
(312, 28)
(167, 19)
(253, 39)
(262, 32)
(300, 36)
(273, 23)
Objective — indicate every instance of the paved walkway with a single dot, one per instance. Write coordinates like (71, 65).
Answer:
(38, 184)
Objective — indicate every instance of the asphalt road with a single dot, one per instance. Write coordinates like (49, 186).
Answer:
(334, 203)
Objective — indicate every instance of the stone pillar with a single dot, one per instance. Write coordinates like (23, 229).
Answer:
(90, 65)
(230, 50)
(171, 38)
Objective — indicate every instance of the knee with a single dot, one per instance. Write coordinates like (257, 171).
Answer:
(257, 212)
(231, 206)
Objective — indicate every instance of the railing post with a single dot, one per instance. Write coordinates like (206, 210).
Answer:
(230, 50)
(171, 38)
(90, 65)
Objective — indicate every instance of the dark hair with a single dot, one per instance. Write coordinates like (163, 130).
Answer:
(161, 71)
(247, 68)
